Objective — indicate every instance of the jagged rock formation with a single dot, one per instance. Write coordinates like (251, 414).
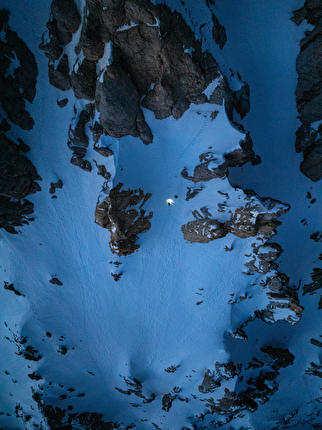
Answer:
(309, 90)
(281, 296)
(157, 64)
(203, 230)
(257, 217)
(18, 178)
(135, 387)
(264, 257)
(118, 215)
(18, 75)
(147, 45)
(18, 174)
(78, 139)
(259, 388)
(210, 169)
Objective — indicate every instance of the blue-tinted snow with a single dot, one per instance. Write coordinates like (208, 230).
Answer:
(149, 320)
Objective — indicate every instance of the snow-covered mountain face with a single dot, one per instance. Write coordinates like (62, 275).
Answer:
(165, 270)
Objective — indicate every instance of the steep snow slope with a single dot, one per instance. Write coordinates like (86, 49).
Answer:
(172, 303)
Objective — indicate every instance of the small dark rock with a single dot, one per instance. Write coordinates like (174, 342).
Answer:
(62, 103)
(55, 281)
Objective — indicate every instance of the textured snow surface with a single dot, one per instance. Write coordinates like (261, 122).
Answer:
(151, 318)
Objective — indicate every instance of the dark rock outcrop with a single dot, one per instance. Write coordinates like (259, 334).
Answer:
(218, 32)
(118, 102)
(83, 80)
(281, 296)
(243, 155)
(150, 65)
(14, 213)
(204, 172)
(18, 174)
(18, 178)
(264, 257)
(316, 282)
(118, 215)
(257, 217)
(203, 230)
(241, 102)
(210, 382)
(260, 386)
(309, 90)
(65, 20)
(209, 168)
(59, 76)
(78, 139)
(18, 75)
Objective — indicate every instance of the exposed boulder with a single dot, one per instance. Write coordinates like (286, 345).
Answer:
(305, 137)
(18, 75)
(118, 214)
(77, 135)
(55, 185)
(50, 45)
(4, 125)
(246, 223)
(238, 100)
(62, 103)
(203, 230)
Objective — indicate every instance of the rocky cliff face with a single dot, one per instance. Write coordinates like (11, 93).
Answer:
(18, 75)
(134, 54)
(18, 176)
(309, 90)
